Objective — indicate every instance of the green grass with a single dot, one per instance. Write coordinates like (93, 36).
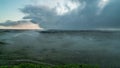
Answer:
(29, 65)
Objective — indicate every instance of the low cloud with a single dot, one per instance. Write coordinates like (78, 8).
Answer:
(19, 25)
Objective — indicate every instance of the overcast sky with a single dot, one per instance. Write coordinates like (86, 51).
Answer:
(62, 14)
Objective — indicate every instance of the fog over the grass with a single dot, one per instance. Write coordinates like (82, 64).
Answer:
(100, 48)
(72, 14)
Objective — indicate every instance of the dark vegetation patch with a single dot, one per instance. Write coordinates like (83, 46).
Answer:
(30, 65)
(2, 43)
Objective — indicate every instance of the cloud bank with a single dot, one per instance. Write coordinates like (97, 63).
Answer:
(74, 14)
(19, 25)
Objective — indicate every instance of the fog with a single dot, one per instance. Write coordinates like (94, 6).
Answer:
(89, 47)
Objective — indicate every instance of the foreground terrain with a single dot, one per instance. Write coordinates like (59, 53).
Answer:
(60, 47)
(28, 65)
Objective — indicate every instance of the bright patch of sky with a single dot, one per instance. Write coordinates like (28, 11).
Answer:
(102, 4)
(61, 6)
(9, 9)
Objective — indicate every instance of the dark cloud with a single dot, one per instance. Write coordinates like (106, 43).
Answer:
(73, 14)
(85, 18)
(12, 23)
(19, 25)
(41, 15)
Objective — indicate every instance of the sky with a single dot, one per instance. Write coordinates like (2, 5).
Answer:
(10, 12)
(10, 9)
(61, 14)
